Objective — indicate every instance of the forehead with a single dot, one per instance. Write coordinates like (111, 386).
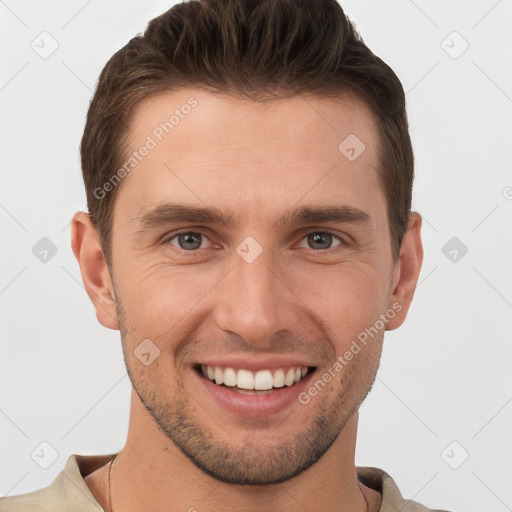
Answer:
(208, 146)
(223, 119)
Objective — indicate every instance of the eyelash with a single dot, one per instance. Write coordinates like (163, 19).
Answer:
(168, 239)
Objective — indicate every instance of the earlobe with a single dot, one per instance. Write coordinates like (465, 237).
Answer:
(94, 270)
(407, 271)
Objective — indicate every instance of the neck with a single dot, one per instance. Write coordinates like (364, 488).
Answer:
(151, 473)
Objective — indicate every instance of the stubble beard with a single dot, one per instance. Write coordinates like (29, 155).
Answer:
(245, 462)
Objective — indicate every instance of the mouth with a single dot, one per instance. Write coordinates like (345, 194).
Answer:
(250, 382)
(253, 387)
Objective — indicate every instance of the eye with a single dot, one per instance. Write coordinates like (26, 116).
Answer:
(188, 240)
(192, 241)
(321, 240)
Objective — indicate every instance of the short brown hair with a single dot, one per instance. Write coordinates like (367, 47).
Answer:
(256, 48)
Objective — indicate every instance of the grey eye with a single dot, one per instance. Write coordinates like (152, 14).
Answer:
(188, 241)
(321, 240)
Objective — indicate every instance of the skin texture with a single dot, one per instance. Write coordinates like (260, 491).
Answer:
(303, 298)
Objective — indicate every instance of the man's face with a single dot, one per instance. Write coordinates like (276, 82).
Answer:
(269, 290)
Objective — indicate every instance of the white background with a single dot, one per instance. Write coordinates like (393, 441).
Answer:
(445, 375)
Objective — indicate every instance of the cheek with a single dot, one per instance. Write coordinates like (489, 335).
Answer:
(346, 298)
(164, 302)
(160, 301)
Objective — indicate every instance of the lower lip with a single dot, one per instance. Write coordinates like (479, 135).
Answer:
(254, 405)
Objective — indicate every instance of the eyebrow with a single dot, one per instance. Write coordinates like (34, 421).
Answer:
(168, 213)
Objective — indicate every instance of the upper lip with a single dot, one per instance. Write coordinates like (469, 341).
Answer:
(256, 363)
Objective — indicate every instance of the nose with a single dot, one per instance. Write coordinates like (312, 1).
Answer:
(256, 300)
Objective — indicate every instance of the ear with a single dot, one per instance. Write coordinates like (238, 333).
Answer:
(406, 272)
(95, 274)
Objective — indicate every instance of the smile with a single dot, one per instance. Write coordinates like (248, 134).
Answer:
(244, 380)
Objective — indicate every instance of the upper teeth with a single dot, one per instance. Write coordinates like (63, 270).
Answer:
(261, 380)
